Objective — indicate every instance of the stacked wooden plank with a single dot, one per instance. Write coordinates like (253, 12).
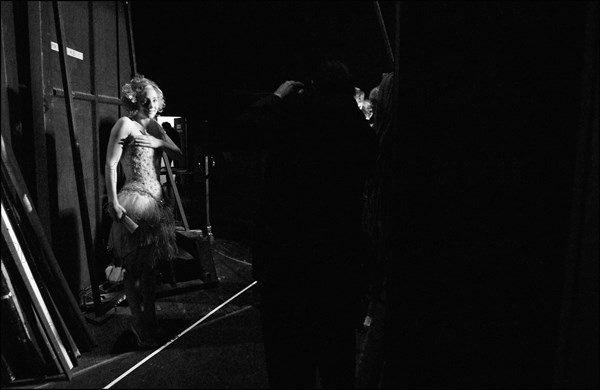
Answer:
(43, 328)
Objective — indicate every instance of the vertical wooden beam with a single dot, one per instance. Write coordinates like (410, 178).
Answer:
(130, 38)
(7, 16)
(77, 163)
(118, 44)
(98, 183)
(38, 106)
(4, 87)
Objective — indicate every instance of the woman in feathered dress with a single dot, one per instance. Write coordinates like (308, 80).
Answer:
(136, 143)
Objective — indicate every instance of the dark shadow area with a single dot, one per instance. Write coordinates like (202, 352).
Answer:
(66, 247)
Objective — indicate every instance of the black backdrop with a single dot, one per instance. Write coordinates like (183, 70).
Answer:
(491, 99)
(200, 52)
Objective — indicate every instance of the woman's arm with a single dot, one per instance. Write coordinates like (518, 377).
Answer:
(114, 150)
(158, 138)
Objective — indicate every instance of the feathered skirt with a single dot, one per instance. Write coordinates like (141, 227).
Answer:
(155, 234)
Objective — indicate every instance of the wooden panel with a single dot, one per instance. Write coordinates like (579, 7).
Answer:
(66, 222)
(125, 68)
(105, 36)
(97, 36)
(77, 35)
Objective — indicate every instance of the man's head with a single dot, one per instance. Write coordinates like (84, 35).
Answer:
(334, 77)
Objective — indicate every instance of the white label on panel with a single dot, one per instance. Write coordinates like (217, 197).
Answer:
(75, 53)
(71, 52)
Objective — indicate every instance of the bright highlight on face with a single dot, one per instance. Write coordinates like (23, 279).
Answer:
(150, 103)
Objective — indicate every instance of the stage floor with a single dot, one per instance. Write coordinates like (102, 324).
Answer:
(221, 345)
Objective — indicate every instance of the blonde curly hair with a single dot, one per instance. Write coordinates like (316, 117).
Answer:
(132, 93)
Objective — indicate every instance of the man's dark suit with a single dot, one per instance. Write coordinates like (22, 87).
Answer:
(307, 254)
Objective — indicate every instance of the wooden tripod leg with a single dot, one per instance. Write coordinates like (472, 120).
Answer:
(175, 191)
(208, 275)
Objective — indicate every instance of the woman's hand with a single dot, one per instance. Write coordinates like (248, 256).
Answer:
(147, 141)
(156, 131)
(116, 211)
(288, 88)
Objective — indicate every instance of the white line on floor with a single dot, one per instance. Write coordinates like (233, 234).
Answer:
(111, 384)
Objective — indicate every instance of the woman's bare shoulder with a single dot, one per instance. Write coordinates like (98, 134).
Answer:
(124, 123)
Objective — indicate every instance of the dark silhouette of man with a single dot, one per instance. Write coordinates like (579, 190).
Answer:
(307, 252)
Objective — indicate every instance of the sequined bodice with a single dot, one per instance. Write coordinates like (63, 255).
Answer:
(140, 168)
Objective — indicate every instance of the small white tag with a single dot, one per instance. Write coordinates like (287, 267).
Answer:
(75, 53)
